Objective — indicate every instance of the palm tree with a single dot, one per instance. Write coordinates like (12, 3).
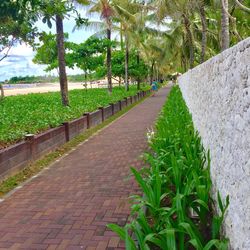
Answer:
(154, 54)
(204, 8)
(227, 18)
(225, 37)
(202, 14)
(105, 9)
(179, 10)
(61, 60)
(126, 19)
(1, 92)
(132, 17)
(60, 8)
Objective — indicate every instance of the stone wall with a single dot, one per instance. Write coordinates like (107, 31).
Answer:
(217, 94)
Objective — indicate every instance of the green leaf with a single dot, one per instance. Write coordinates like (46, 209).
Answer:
(49, 23)
(210, 244)
(201, 203)
(44, 19)
(220, 202)
(195, 241)
(216, 225)
(117, 229)
(130, 244)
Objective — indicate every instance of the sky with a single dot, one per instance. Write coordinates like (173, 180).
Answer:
(19, 62)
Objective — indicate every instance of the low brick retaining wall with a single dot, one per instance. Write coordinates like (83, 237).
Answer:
(17, 156)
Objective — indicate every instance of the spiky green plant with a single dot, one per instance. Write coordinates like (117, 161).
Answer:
(175, 210)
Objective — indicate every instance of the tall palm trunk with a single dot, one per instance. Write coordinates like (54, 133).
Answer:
(152, 72)
(1, 92)
(225, 38)
(157, 74)
(204, 31)
(109, 70)
(126, 64)
(138, 64)
(183, 62)
(190, 41)
(121, 37)
(85, 79)
(61, 61)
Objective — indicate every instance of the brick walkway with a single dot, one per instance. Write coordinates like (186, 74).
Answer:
(69, 205)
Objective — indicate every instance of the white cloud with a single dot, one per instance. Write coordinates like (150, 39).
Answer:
(21, 50)
(19, 62)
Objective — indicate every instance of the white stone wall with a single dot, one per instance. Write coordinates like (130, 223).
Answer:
(217, 94)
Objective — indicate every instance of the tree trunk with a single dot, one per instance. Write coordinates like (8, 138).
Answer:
(85, 79)
(138, 77)
(61, 60)
(190, 41)
(152, 72)
(225, 38)
(204, 31)
(119, 82)
(183, 62)
(126, 64)
(109, 70)
(121, 37)
(1, 92)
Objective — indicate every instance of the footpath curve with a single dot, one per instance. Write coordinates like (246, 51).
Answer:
(68, 205)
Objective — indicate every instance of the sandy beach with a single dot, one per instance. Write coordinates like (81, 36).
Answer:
(21, 89)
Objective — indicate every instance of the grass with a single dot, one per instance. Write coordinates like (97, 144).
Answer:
(176, 189)
(32, 169)
(33, 113)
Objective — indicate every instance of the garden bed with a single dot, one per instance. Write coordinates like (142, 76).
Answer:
(17, 156)
(35, 113)
(175, 210)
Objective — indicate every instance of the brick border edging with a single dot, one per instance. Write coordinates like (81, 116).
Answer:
(17, 156)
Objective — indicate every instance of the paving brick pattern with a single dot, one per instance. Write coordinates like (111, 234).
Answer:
(69, 205)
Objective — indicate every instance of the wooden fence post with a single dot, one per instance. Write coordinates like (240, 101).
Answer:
(66, 128)
(126, 99)
(102, 110)
(112, 107)
(88, 120)
(30, 138)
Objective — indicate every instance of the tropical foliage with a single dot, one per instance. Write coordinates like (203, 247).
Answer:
(175, 210)
(169, 36)
(47, 53)
(156, 38)
(33, 113)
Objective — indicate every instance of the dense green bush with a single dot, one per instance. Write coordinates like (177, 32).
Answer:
(176, 187)
(45, 79)
(33, 113)
(23, 79)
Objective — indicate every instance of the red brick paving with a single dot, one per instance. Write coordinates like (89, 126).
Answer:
(69, 205)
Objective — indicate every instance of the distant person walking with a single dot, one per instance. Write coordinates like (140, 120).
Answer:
(154, 87)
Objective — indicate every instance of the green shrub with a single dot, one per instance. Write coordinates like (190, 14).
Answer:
(33, 113)
(176, 188)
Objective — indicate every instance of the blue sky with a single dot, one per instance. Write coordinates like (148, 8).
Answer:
(19, 62)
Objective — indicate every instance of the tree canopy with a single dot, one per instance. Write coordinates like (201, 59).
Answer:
(156, 38)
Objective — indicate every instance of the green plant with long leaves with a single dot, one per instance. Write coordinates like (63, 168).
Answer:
(176, 210)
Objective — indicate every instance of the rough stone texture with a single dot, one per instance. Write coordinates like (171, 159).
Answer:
(217, 94)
